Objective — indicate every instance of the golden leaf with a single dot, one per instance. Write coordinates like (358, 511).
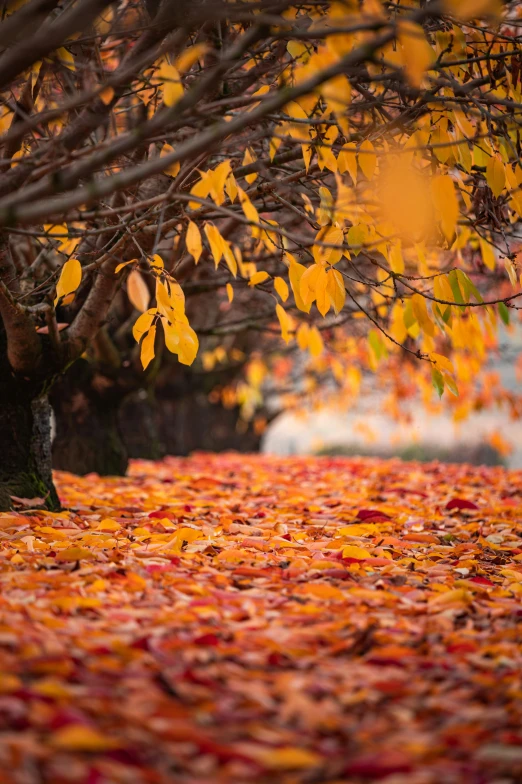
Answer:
(138, 291)
(147, 347)
(281, 287)
(193, 241)
(70, 279)
(417, 54)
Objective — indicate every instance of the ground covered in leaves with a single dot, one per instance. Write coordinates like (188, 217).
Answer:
(255, 619)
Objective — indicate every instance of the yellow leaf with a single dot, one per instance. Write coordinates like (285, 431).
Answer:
(347, 161)
(75, 554)
(230, 259)
(66, 58)
(193, 241)
(169, 76)
(215, 241)
(367, 159)
(286, 323)
(249, 157)
(473, 9)
(137, 291)
(352, 551)
(322, 298)
(359, 529)
(165, 306)
(143, 324)
(147, 347)
(281, 287)
(217, 179)
(231, 187)
(311, 280)
(420, 312)
(336, 289)
(201, 189)
(187, 58)
(80, 737)
(171, 333)
(157, 263)
(230, 292)
(302, 336)
(124, 264)
(288, 757)
(446, 202)
(258, 277)
(171, 169)
(329, 235)
(188, 344)
(322, 591)
(70, 279)
(249, 210)
(496, 175)
(396, 259)
(296, 272)
(315, 342)
(106, 95)
(488, 254)
(417, 54)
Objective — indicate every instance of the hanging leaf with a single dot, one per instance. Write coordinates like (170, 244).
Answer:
(315, 343)
(193, 241)
(186, 59)
(172, 169)
(367, 159)
(169, 76)
(336, 289)
(473, 9)
(488, 254)
(230, 292)
(417, 54)
(138, 291)
(147, 347)
(496, 175)
(295, 273)
(249, 157)
(420, 312)
(143, 324)
(446, 202)
(258, 277)
(438, 381)
(503, 313)
(215, 241)
(70, 279)
(322, 297)
(281, 287)
(188, 345)
(286, 323)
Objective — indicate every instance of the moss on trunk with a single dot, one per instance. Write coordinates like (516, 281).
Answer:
(25, 436)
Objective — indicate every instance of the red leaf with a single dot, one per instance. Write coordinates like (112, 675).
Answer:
(460, 503)
(378, 766)
(373, 515)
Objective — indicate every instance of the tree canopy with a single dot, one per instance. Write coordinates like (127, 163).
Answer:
(323, 171)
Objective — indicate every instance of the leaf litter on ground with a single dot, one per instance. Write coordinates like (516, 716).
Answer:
(231, 618)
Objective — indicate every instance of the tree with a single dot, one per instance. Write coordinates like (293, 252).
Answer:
(365, 157)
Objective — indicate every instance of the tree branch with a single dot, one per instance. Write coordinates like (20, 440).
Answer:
(24, 347)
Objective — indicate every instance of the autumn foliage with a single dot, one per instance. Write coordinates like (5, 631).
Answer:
(345, 176)
(233, 619)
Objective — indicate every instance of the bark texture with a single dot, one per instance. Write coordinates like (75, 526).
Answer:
(25, 430)
(88, 438)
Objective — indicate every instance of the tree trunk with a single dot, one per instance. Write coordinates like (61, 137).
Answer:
(25, 436)
(87, 438)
